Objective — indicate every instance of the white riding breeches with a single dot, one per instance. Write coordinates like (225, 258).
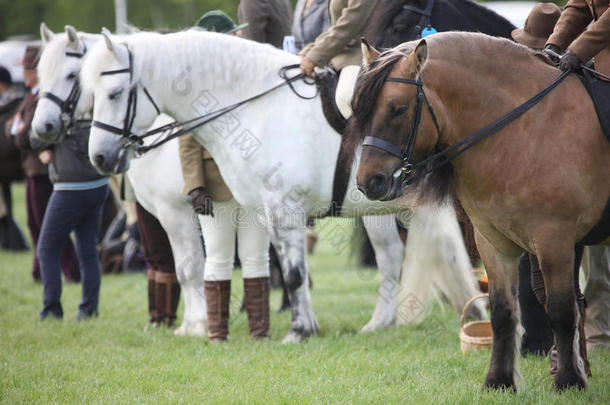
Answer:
(345, 89)
(219, 232)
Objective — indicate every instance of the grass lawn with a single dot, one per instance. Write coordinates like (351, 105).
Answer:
(117, 358)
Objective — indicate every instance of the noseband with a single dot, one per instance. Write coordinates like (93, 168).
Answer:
(132, 102)
(406, 154)
(68, 106)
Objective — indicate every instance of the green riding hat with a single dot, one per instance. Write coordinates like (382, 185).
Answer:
(218, 21)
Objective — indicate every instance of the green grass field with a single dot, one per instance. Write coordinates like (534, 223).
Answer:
(117, 358)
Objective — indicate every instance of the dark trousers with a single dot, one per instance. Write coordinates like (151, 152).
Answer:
(38, 190)
(163, 287)
(79, 211)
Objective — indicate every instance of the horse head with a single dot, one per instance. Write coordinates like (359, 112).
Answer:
(123, 107)
(58, 70)
(388, 98)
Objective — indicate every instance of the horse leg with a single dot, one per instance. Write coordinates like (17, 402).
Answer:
(383, 233)
(289, 242)
(184, 238)
(556, 263)
(503, 281)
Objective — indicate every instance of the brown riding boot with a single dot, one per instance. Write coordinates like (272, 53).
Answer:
(167, 297)
(152, 306)
(218, 298)
(256, 291)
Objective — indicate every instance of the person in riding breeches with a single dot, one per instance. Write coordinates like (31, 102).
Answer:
(582, 44)
(222, 219)
(340, 46)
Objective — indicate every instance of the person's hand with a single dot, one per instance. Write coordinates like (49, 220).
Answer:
(554, 52)
(201, 200)
(45, 156)
(569, 61)
(307, 66)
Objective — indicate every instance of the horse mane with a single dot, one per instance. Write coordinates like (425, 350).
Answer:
(189, 50)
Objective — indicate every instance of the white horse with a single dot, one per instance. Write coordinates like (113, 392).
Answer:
(157, 188)
(277, 153)
(59, 66)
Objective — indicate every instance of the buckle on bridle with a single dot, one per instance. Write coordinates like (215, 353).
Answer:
(407, 168)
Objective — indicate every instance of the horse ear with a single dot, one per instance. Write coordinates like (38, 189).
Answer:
(369, 53)
(45, 33)
(71, 33)
(109, 43)
(421, 54)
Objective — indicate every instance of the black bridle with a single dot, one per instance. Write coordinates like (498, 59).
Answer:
(68, 106)
(425, 16)
(406, 153)
(132, 104)
(176, 129)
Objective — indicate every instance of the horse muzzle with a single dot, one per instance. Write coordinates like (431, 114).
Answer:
(381, 186)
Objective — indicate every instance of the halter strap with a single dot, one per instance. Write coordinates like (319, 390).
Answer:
(68, 105)
(132, 102)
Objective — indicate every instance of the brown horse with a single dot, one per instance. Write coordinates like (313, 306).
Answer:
(539, 184)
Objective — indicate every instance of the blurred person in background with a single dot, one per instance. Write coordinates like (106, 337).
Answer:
(38, 186)
(268, 20)
(11, 236)
(310, 20)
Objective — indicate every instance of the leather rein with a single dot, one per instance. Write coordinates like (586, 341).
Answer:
(406, 153)
(176, 129)
(68, 106)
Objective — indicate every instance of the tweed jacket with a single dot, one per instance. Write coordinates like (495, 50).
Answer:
(340, 45)
(200, 170)
(308, 25)
(32, 166)
(268, 20)
(570, 32)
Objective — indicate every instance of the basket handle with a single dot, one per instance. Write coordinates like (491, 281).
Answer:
(470, 301)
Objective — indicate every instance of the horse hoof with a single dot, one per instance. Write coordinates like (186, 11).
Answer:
(569, 380)
(181, 331)
(198, 329)
(292, 337)
(500, 383)
(375, 324)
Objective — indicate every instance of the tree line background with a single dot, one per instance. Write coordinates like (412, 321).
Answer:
(23, 17)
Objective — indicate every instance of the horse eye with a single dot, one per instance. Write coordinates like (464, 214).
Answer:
(395, 112)
(115, 94)
(71, 76)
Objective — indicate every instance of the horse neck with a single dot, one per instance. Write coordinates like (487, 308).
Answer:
(207, 71)
(475, 90)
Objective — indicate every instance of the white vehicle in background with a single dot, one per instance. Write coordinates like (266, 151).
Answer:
(11, 55)
(514, 11)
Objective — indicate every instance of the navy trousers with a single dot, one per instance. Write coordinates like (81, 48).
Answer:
(79, 211)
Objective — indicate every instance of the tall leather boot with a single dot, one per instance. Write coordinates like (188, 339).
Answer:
(256, 291)
(218, 298)
(167, 296)
(152, 306)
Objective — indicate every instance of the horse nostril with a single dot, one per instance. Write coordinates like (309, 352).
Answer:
(99, 160)
(48, 127)
(377, 183)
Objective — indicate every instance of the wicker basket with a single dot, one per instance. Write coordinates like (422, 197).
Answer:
(476, 334)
